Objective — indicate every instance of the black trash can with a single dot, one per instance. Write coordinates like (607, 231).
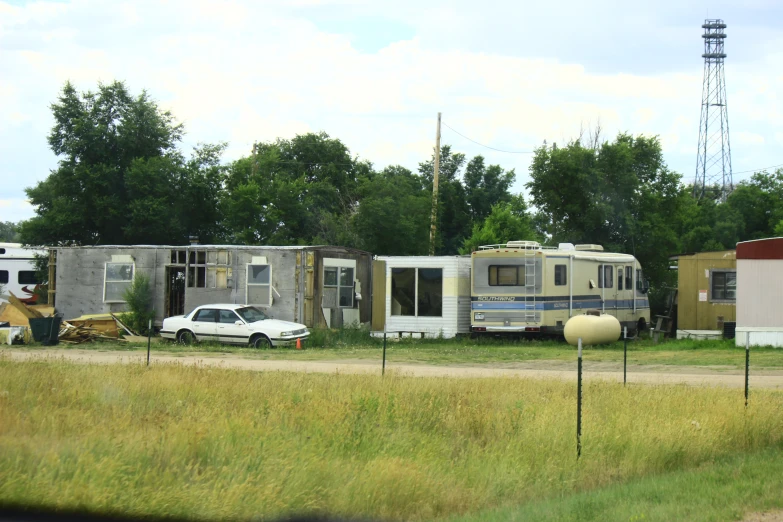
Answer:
(46, 330)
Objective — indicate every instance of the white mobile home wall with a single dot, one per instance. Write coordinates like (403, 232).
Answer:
(455, 318)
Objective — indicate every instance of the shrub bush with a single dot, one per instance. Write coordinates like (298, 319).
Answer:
(138, 297)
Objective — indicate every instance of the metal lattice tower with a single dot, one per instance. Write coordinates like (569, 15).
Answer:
(713, 166)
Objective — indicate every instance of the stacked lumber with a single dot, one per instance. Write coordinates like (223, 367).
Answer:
(77, 332)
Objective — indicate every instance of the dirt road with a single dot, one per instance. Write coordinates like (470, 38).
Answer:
(690, 375)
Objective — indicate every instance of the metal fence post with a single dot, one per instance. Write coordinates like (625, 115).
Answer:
(579, 402)
(625, 353)
(149, 339)
(383, 367)
(747, 365)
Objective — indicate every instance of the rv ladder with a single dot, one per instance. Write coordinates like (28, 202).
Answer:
(530, 283)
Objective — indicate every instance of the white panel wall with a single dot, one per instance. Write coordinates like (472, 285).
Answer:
(456, 296)
(759, 293)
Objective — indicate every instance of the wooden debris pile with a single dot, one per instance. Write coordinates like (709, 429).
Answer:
(101, 327)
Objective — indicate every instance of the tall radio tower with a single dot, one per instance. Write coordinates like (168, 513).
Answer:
(713, 165)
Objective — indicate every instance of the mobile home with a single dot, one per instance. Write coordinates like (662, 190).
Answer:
(420, 296)
(522, 287)
(315, 285)
(759, 292)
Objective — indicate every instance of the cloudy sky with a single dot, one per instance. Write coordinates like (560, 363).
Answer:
(374, 74)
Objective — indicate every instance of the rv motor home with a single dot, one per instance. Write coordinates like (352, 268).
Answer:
(523, 288)
(17, 272)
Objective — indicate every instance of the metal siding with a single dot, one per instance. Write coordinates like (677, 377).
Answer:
(759, 293)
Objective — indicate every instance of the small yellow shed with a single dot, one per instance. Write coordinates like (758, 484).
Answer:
(706, 289)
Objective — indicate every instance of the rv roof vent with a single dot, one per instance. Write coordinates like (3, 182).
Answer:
(565, 246)
(523, 244)
(590, 248)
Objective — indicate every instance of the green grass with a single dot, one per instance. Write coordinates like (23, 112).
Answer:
(352, 344)
(199, 442)
(727, 489)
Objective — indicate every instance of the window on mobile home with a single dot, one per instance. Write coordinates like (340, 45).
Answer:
(118, 278)
(723, 285)
(605, 276)
(259, 285)
(561, 272)
(339, 280)
(417, 292)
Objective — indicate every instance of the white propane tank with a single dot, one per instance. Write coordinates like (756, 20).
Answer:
(593, 329)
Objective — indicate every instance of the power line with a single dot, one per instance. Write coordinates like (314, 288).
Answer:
(487, 146)
(758, 170)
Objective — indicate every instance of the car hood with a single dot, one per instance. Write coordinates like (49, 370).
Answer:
(276, 324)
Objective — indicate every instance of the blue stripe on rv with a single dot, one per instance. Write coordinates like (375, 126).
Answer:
(559, 305)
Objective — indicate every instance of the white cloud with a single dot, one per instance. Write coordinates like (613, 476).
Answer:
(250, 71)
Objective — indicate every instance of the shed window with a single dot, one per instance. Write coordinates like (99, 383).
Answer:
(605, 276)
(417, 292)
(338, 286)
(561, 272)
(118, 278)
(3, 277)
(724, 285)
(259, 285)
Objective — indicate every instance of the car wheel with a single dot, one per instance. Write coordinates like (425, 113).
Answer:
(186, 337)
(260, 341)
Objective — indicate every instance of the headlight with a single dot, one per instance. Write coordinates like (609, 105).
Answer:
(479, 316)
(287, 334)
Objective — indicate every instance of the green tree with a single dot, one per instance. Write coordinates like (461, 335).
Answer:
(9, 232)
(618, 194)
(507, 221)
(120, 178)
(294, 192)
(393, 216)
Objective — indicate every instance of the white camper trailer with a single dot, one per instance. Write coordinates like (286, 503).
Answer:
(17, 272)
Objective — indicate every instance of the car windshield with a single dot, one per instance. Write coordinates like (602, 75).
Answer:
(251, 314)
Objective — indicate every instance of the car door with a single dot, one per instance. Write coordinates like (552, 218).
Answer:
(229, 331)
(205, 324)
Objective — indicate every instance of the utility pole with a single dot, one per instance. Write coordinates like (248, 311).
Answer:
(434, 222)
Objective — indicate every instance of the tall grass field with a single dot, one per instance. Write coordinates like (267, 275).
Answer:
(211, 443)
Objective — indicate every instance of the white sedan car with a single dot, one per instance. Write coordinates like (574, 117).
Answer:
(234, 324)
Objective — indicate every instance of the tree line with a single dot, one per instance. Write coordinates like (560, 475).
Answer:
(122, 179)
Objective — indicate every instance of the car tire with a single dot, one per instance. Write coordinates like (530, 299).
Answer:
(185, 337)
(260, 341)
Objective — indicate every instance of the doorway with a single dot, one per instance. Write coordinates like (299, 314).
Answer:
(175, 290)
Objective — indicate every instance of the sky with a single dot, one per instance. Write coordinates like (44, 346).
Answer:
(375, 74)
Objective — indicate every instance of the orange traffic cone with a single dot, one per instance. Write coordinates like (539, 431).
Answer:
(298, 343)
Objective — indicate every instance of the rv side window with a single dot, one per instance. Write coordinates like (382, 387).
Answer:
(605, 276)
(26, 277)
(561, 275)
(639, 280)
(259, 285)
(3, 277)
(628, 277)
(620, 277)
(506, 275)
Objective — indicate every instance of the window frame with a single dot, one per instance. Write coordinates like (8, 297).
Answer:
(724, 271)
(416, 290)
(564, 273)
(106, 278)
(248, 284)
(339, 286)
(602, 272)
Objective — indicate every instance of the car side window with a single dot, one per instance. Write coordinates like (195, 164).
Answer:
(206, 315)
(228, 316)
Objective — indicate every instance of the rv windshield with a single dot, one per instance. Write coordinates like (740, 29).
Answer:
(251, 314)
